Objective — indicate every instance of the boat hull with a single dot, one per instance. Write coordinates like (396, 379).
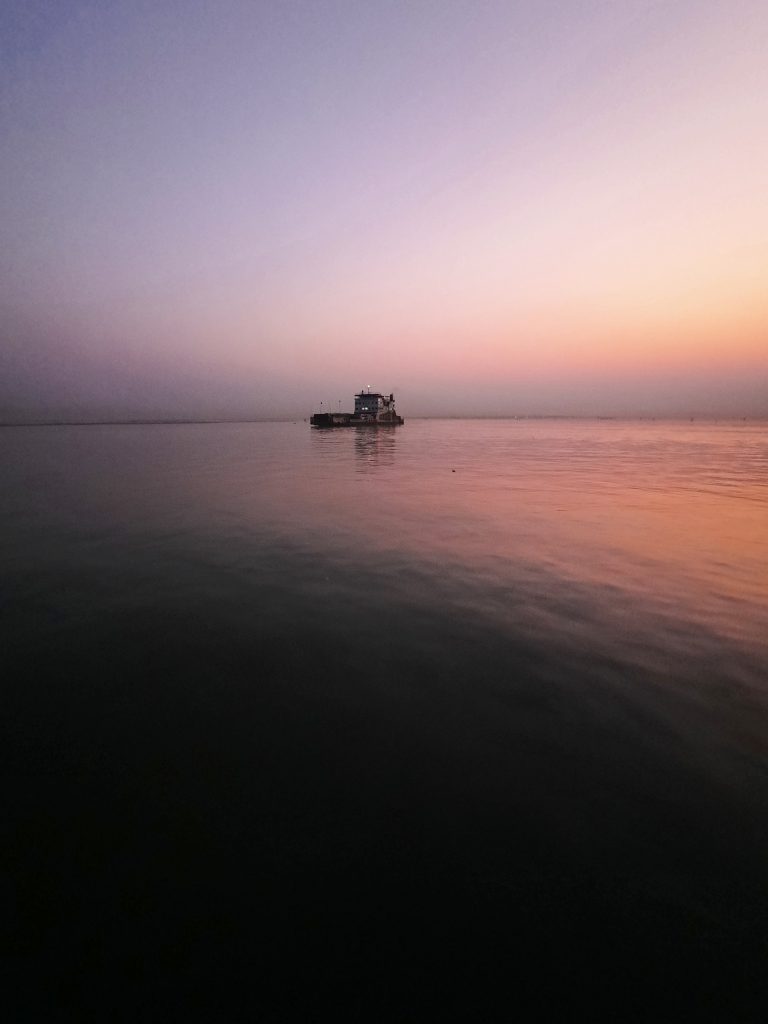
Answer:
(333, 420)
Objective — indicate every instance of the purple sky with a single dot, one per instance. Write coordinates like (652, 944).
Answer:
(241, 209)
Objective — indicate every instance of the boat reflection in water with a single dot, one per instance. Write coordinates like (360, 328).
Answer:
(374, 449)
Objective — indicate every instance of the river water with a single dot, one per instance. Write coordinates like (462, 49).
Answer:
(465, 714)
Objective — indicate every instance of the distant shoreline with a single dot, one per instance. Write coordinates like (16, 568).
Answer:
(126, 423)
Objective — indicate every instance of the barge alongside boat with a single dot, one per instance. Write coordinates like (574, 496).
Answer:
(372, 409)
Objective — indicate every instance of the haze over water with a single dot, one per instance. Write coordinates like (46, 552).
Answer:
(463, 713)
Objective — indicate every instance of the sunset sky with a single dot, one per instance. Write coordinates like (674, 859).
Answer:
(242, 209)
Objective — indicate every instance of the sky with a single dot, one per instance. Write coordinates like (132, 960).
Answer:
(240, 209)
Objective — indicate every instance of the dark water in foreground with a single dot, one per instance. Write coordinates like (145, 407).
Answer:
(302, 720)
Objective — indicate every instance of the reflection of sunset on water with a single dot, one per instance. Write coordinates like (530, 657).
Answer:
(667, 514)
(467, 672)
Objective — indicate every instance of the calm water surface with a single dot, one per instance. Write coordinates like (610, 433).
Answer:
(466, 713)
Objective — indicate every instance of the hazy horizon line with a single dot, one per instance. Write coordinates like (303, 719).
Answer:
(192, 421)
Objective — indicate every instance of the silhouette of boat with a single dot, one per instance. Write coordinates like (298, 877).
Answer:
(372, 409)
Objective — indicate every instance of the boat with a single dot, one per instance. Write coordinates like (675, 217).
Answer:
(372, 409)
